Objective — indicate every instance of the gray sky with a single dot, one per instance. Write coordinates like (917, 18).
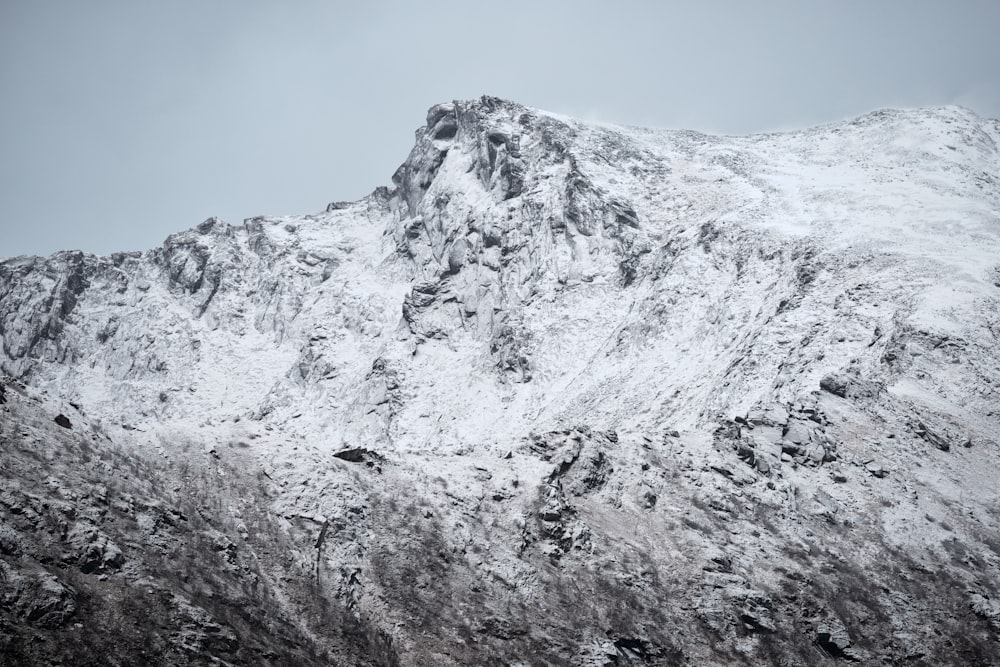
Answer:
(124, 121)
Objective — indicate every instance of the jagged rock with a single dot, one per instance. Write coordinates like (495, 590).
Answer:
(511, 348)
(756, 617)
(798, 432)
(835, 385)
(92, 550)
(456, 256)
(63, 421)
(826, 502)
(876, 469)
(815, 455)
(833, 639)
(789, 448)
(37, 596)
(551, 513)
(762, 466)
(201, 633)
(421, 296)
(933, 437)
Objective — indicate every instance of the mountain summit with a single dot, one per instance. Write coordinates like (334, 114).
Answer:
(565, 393)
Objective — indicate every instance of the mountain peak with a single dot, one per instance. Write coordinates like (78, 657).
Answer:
(685, 372)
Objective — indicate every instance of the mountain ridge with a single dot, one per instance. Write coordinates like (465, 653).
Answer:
(562, 352)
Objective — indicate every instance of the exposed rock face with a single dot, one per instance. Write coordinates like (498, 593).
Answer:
(565, 394)
(36, 597)
(109, 557)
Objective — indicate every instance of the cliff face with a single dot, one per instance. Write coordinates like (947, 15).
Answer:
(573, 394)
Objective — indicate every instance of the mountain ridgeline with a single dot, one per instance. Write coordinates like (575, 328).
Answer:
(564, 393)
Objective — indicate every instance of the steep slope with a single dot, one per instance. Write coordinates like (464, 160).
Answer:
(582, 394)
(112, 558)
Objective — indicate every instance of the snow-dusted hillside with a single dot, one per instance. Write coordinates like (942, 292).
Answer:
(571, 393)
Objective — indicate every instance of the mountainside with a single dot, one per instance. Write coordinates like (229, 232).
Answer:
(566, 394)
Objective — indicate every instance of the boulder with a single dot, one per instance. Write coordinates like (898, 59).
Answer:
(768, 432)
(933, 437)
(456, 256)
(833, 639)
(756, 618)
(835, 385)
(876, 469)
(798, 432)
(763, 466)
(361, 455)
(815, 455)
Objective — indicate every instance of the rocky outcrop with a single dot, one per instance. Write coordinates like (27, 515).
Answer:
(36, 597)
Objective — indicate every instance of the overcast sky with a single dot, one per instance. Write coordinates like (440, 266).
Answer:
(122, 122)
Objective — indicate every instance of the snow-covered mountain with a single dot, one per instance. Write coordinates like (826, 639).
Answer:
(566, 393)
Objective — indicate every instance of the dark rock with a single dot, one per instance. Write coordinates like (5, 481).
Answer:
(633, 649)
(63, 421)
(789, 448)
(503, 628)
(835, 385)
(722, 470)
(833, 640)
(756, 619)
(224, 546)
(207, 226)
(492, 237)
(591, 473)
(932, 437)
(876, 470)
(553, 513)
(361, 455)
(456, 256)
(420, 298)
